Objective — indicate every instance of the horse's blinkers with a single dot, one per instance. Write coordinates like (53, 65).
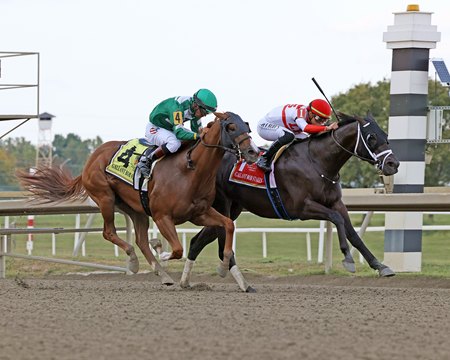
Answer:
(229, 133)
(374, 137)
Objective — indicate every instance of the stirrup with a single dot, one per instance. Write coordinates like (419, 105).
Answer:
(264, 164)
(144, 168)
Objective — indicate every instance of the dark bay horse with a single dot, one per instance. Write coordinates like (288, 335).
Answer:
(177, 193)
(307, 176)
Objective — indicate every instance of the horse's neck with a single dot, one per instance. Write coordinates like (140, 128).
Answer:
(334, 150)
(207, 159)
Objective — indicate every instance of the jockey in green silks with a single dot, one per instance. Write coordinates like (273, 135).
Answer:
(165, 128)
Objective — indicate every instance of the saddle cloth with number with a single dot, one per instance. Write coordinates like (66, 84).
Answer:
(123, 163)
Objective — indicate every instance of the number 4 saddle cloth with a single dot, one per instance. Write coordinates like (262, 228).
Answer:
(124, 161)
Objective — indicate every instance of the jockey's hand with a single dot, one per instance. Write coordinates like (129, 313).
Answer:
(332, 126)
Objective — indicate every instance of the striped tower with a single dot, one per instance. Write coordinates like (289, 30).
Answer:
(411, 38)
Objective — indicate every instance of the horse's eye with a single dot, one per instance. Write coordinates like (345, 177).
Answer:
(372, 139)
(231, 127)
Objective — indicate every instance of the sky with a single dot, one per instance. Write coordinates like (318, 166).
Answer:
(104, 64)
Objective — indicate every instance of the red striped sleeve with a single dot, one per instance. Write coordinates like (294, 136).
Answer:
(314, 129)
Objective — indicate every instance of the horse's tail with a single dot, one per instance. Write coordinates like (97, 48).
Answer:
(52, 184)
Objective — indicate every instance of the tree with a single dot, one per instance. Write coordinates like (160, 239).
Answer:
(376, 99)
(15, 153)
(359, 100)
(437, 173)
(74, 151)
(7, 164)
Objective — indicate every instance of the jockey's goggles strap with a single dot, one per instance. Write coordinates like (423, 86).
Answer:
(202, 104)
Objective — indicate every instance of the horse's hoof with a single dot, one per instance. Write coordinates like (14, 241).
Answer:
(386, 272)
(349, 266)
(165, 278)
(133, 263)
(155, 243)
(221, 271)
(250, 290)
(165, 256)
(185, 285)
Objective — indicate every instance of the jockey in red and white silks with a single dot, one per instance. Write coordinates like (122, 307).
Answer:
(288, 122)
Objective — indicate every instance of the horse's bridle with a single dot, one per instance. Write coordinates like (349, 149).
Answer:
(226, 141)
(376, 158)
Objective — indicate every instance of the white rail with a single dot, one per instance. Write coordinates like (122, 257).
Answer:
(433, 202)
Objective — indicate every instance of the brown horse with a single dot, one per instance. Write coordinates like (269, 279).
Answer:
(177, 193)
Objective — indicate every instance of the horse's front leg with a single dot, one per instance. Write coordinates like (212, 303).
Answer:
(234, 269)
(314, 210)
(198, 242)
(357, 242)
(167, 229)
(213, 218)
(141, 224)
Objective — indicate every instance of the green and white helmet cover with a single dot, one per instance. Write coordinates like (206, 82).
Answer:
(205, 99)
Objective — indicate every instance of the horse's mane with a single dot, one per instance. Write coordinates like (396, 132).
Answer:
(344, 120)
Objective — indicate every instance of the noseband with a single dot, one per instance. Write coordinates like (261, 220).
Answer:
(376, 158)
(227, 142)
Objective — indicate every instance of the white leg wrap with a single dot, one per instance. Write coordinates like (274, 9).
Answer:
(243, 284)
(186, 275)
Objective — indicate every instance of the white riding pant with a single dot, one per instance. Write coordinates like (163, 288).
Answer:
(159, 136)
(272, 132)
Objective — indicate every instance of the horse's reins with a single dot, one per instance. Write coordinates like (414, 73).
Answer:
(235, 147)
(313, 163)
(375, 157)
(235, 150)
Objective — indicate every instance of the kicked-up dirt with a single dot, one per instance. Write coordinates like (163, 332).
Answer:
(115, 316)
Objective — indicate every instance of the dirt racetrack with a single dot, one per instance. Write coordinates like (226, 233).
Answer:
(115, 316)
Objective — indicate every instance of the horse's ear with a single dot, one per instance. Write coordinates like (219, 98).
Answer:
(210, 124)
(343, 117)
(361, 120)
(369, 116)
(220, 115)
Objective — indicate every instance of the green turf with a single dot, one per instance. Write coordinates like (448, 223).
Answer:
(286, 252)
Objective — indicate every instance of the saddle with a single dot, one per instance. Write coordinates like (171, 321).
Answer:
(251, 175)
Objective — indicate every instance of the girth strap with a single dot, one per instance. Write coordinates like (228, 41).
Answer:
(143, 195)
(275, 200)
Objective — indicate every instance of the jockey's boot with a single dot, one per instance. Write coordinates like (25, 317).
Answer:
(145, 163)
(266, 158)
